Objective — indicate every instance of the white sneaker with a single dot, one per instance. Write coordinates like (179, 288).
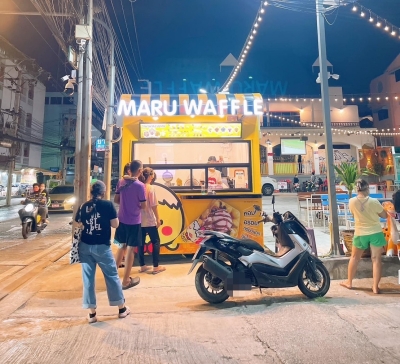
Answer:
(92, 320)
(125, 313)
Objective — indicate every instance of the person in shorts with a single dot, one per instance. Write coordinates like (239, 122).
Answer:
(367, 212)
(131, 197)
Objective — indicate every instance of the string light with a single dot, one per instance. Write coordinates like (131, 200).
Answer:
(246, 47)
(311, 125)
(337, 98)
(389, 27)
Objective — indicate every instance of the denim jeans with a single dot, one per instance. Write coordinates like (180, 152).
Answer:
(90, 256)
(155, 240)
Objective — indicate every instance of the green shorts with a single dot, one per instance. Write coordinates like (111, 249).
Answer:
(363, 242)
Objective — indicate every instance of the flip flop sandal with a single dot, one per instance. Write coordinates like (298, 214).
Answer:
(154, 272)
(133, 282)
(143, 270)
(122, 265)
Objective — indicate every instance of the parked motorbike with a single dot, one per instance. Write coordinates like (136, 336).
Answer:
(236, 265)
(30, 219)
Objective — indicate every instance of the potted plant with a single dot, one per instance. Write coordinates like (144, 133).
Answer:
(349, 173)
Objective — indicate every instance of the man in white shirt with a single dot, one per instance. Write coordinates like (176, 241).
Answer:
(214, 176)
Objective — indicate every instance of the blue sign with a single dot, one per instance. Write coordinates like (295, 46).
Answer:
(100, 145)
(54, 169)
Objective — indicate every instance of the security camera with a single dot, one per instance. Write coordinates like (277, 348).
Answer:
(70, 87)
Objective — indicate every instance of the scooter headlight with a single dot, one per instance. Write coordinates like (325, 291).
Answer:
(29, 207)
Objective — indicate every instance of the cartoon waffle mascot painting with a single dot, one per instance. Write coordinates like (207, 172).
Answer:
(390, 231)
(220, 217)
(171, 213)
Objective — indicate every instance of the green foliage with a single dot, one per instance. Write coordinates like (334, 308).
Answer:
(349, 173)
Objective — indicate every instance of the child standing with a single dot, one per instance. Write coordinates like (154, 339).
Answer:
(150, 223)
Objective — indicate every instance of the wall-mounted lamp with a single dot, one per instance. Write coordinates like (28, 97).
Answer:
(268, 142)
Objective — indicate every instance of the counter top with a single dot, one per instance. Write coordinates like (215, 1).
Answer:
(217, 195)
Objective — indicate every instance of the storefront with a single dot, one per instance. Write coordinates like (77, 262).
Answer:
(205, 152)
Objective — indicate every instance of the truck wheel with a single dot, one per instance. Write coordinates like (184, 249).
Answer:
(267, 189)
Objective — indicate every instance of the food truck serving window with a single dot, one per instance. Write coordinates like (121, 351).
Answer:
(187, 166)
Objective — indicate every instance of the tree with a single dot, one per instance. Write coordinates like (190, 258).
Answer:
(349, 173)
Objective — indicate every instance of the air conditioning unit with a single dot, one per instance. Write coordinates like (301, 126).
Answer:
(304, 138)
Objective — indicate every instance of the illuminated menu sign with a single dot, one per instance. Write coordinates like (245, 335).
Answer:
(190, 130)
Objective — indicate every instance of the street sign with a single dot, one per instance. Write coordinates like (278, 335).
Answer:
(100, 145)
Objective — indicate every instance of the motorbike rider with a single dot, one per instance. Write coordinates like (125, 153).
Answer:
(36, 196)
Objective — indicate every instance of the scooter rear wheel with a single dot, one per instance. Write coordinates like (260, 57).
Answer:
(26, 229)
(313, 289)
(210, 288)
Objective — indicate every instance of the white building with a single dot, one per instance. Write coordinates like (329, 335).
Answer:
(301, 119)
(20, 88)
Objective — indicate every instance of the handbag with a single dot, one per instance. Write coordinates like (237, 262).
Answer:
(74, 253)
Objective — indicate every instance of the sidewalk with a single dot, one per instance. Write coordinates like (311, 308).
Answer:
(43, 322)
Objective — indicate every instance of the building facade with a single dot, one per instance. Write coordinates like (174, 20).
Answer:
(386, 110)
(22, 98)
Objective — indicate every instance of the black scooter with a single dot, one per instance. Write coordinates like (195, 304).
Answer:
(30, 219)
(236, 265)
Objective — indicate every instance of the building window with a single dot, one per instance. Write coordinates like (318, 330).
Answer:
(397, 75)
(383, 114)
(28, 121)
(56, 101)
(46, 100)
(31, 91)
(68, 101)
(26, 150)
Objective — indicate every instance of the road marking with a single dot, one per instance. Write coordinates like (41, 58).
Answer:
(13, 229)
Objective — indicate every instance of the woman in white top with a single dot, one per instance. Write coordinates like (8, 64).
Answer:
(367, 212)
(150, 223)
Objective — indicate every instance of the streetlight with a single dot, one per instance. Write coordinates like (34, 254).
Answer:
(329, 75)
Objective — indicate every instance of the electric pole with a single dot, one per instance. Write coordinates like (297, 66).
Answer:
(13, 132)
(323, 68)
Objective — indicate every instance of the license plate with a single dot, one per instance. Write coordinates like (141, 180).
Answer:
(55, 205)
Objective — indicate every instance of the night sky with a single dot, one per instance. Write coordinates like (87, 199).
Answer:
(188, 39)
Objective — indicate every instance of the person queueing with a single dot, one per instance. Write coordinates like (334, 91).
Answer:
(97, 216)
(367, 212)
(131, 197)
(150, 223)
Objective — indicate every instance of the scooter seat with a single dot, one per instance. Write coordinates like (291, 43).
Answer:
(247, 243)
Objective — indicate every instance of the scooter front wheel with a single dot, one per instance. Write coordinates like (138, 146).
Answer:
(210, 288)
(26, 229)
(311, 288)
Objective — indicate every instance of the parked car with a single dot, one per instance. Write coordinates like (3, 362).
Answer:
(268, 185)
(62, 198)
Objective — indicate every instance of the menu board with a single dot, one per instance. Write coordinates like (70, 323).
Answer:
(190, 130)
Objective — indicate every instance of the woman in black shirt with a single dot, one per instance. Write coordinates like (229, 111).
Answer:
(96, 217)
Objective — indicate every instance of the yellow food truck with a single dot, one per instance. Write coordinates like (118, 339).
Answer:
(204, 150)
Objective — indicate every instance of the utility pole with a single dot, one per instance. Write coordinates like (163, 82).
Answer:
(110, 114)
(13, 131)
(86, 136)
(323, 67)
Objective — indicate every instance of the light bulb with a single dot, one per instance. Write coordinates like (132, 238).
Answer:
(386, 28)
(378, 24)
(393, 33)
(251, 37)
(362, 14)
(371, 19)
(249, 42)
(256, 25)
(265, 3)
(259, 18)
(262, 11)
(254, 31)
(354, 8)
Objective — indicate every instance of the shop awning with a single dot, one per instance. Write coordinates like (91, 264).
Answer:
(192, 102)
